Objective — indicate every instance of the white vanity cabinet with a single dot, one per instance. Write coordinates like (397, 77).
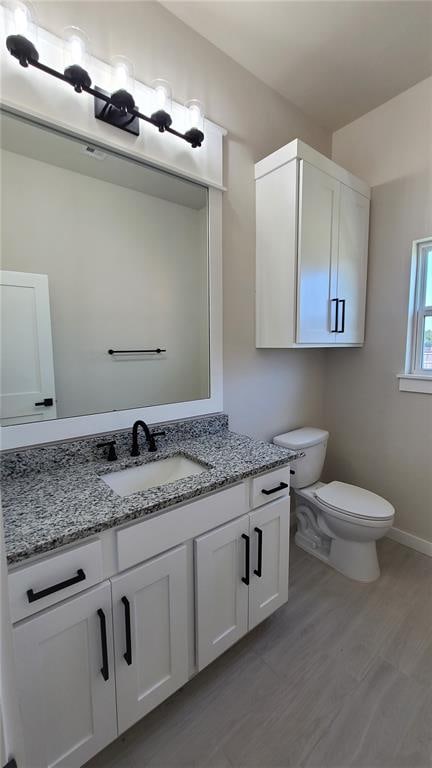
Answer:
(150, 634)
(312, 225)
(97, 661)
(66, 680)
(241, 572)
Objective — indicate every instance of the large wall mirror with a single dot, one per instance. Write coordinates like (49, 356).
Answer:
(104, 280)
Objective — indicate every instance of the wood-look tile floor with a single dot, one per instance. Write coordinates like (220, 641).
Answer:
(341, 676)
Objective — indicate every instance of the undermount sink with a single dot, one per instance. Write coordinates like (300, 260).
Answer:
(128, 481)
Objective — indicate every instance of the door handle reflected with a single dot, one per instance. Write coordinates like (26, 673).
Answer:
(46, 402)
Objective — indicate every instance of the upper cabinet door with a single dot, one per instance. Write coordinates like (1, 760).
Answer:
(269, 529)
(352, 266)
(317, 255)
(65, 670)
(276, 256)
(151, 634)
(221, 562)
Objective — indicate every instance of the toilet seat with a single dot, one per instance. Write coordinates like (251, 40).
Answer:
(354, 502)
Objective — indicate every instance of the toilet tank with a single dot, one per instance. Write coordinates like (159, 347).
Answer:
(313, 443)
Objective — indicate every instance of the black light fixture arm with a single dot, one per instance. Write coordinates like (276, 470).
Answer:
(118, 102)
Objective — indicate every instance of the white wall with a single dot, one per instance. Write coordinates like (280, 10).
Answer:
(265, 391)
(381, 438)
(125, 270)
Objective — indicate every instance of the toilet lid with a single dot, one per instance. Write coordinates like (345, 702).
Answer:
(354, 501)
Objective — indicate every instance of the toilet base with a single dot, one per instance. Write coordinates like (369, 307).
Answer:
(356, 560)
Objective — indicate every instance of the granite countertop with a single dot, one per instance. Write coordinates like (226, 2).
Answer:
(47, 506)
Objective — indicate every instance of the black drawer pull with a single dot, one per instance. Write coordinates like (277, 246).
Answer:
(104, 667)
(245, 578)
(258, 569)
(32, 596)
(279, 487)
(128, 654)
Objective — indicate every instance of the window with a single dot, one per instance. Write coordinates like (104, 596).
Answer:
(422, 346)
(418, 364)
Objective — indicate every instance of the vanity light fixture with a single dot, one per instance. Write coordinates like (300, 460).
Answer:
(117, 108)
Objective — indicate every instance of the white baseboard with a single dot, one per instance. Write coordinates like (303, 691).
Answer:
(421, 545)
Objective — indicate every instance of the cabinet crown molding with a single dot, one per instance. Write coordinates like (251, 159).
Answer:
(298, 150)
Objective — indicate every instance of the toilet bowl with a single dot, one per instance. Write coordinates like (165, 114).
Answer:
(337, 522)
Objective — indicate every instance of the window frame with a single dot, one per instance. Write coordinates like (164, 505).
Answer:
(421, 311)
(415, 378)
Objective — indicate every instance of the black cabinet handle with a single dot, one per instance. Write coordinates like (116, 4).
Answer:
(46, 402)
(128, 654)
(245, 578)
(335, 329)
(32, 596)
(342, 330)
(104, 667)
(258, 569)
(279, 487)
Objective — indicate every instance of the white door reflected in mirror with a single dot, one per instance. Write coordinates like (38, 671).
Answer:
(27, 367)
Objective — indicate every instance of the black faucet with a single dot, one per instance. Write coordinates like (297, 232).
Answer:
(150, 437)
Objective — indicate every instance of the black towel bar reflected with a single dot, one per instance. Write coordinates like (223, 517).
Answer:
(157, 351)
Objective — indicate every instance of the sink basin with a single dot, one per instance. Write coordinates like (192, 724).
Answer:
(128, 481)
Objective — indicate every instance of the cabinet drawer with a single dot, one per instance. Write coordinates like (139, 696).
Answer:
(48, 581)
(140, 541)
(269, 486)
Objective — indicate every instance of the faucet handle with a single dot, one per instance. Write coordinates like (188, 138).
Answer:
(158, 434)
(110, 444)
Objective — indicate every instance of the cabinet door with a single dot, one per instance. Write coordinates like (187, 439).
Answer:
(352, 266)
(221, 595)
(317, 255)
(269, 532)
(65, 667)
(151, 634)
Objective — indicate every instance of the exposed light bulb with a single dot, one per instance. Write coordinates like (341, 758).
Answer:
(161, 96)
(77, 50)
(75, 47)
(195, 114)
(122, 75)
(21, 20)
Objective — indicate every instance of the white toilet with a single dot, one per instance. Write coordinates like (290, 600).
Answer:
(336, 522)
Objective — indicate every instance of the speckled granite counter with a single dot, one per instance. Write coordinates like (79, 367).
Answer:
(60, 498)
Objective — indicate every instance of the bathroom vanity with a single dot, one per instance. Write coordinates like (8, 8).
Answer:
(117, 600)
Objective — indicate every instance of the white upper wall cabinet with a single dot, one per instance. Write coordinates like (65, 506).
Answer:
(312, 224)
